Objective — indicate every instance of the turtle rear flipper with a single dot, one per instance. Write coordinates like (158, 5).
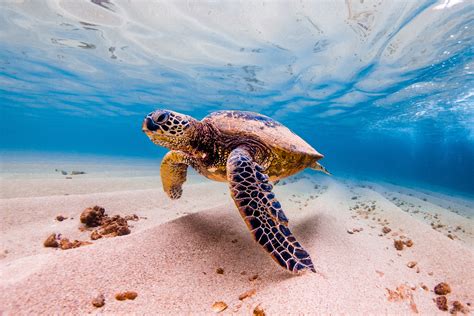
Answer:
(319, 167)
(262, 212)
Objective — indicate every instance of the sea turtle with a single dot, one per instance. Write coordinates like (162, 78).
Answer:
(247, 150)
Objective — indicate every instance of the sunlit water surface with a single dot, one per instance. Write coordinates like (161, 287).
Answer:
(383, 88)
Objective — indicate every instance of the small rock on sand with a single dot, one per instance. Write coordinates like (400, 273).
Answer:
(408, 243)
(411, 264)
(398, 244)
(99, 301)
(442, 288)
(220, 271)
(131, 295)
(51, 241)
(442, 303)
(128, 295)
(60, 218)
(219, 306)
(120, 297)
(253, 277)
(247, 294)
(258, 311)
(133, 217)
(75, 173)
(458, 307)
(386, 230)
(354, 230)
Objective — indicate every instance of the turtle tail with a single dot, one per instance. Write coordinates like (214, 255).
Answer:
(317, 166)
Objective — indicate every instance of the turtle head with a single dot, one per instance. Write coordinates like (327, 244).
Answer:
(169, 129)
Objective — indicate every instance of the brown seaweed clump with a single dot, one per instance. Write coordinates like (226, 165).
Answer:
(442, 288)
(442, 303)
(55, 241)
(95, 235)
(408, 243)
(92, 216)
(107, 226)
(114, 226)
(65, 244)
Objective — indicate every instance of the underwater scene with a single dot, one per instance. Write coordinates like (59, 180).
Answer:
(237, 157)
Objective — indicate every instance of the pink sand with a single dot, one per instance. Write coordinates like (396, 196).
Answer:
(170, 258)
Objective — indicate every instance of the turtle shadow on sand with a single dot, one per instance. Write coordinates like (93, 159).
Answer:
(309, 228)
(225, 242)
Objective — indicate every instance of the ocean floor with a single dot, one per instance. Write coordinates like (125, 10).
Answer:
(183, 256)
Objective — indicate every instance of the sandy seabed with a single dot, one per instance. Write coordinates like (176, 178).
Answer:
(174, 250)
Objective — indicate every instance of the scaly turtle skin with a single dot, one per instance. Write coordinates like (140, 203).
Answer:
(247, 150)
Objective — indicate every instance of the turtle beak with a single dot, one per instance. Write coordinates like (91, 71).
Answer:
(148, 126)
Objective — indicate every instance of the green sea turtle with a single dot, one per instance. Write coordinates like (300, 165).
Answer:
(247, 150)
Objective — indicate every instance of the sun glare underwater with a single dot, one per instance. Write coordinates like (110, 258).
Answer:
(384, 89)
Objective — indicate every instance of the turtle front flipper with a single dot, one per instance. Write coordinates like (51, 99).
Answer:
(173, 170)
(262, 212)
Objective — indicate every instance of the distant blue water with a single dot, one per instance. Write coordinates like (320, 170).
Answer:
(383, 90)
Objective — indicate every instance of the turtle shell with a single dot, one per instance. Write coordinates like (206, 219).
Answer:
(262, 128)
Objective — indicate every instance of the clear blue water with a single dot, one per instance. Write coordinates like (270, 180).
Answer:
(383, 89)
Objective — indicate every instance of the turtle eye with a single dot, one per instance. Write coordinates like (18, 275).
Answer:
(162, 118)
